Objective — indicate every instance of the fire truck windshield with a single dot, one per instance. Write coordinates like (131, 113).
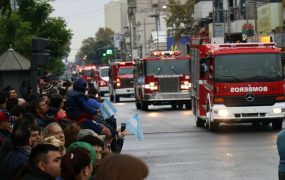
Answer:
(249, 67)
(104, 72)
(126, 70)
(87, 72)
(167, 67)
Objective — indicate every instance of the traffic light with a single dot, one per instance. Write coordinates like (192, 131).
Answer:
(40, 52)
(104, 54)
(109, 51)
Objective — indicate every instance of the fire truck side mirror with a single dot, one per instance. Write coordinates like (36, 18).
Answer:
(203, 70)
(110, 72)
(96, 74)
(211, 68)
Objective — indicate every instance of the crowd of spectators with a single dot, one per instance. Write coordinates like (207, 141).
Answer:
(60, 134)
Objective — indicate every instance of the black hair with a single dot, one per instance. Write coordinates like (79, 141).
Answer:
(93, 141)
(10, 103)
(36, 128)
(35, 105)
(3, 97)
(28, 118)
(56, 100)
(74, 162)
(17, 110)
(21, 135)
(8, 89)
(39, 153)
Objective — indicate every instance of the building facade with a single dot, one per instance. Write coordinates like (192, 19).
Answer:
(116, 18)
(237, 20)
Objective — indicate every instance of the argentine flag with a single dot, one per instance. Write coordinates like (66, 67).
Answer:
(107, 109)
(135, 126)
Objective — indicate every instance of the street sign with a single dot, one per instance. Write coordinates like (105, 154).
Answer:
(219, 30)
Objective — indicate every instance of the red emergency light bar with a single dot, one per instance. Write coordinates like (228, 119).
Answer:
(166, 53)
(247, 45)
(89, 67)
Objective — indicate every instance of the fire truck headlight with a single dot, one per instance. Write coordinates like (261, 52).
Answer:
(146, 86)
(118, 84)
(223, 112)
(185, 85)
(103, 83)
(153, 86)
(276, 110)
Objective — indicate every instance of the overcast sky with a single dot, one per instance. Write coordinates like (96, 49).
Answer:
(83, 17)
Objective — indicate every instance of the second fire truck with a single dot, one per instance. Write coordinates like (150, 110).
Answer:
(237, 83)
(163, 79)
(102, 80)
(121, 80)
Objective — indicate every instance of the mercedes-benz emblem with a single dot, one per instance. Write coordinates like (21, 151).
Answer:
(249, 97)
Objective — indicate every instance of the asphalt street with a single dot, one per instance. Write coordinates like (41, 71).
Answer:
(174, 148)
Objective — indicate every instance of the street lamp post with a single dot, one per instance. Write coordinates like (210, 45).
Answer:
(255, 17)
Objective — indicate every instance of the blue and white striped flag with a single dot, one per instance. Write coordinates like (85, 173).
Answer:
(107, 109)
(135, 126)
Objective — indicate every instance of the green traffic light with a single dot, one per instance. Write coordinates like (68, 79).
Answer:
(109, 51)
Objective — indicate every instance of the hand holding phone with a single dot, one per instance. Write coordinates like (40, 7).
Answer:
(123, 127)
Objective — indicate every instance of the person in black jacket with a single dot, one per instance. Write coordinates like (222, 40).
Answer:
(19, 156)
(44, 163)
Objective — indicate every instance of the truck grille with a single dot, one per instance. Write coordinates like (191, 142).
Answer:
(127, 83)
(241, 101)
(168, 84)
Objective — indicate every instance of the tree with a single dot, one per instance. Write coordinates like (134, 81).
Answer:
(95, 47)
(32, 19)
(5, 7)
(104, 35)
(35, 11)
(88, 47)
(17, 33)
(179, 17)
(59, 40)
(104, 41)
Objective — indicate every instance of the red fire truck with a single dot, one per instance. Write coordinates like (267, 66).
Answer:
(121, 80)
(163, 79)
(237, 83)
(87, 72)
(102, 80)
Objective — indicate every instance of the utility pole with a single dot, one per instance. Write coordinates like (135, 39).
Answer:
(144, 36)
(131, 39)
(214, 19)
(156, 16)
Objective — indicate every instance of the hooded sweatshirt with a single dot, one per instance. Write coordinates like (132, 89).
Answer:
(77, 107)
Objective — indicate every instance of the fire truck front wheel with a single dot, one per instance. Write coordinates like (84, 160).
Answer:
(144, 106)
(111, 98)
(277, 124)
(200, 123)
(117, 98)
(138, 105)
(188, 105)
(213, 126)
